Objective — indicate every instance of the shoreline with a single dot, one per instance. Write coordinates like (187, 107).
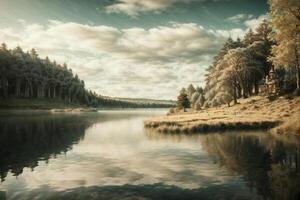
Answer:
(207, 128)
(255, 113)
(57, 105)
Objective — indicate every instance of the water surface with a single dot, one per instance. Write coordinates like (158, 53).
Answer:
(109, 155)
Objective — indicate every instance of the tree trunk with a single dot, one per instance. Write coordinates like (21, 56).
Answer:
(239, 91)
(54, 92)
(234, 95)
(30, 90)
(298, 77)
(4, 84)
(244, 93)
(49, 92)
(256, 89)
(297, 73)
(60, 93)
(18, 88)
(26, 92)
(297, 67)
(43, 89)
(249, 90)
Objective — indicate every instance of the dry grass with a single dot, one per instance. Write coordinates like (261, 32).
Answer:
(290, 126)
(252, 113)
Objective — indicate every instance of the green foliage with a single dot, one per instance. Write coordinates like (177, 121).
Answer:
(26, 75)
(241, 66)
(183, 101)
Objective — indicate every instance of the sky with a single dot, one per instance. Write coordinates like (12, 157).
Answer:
(130, 48)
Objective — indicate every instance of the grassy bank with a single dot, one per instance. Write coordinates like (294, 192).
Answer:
(252, 113)
(290, 126)
(36, 104)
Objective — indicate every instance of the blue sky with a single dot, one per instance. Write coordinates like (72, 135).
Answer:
(130, 48)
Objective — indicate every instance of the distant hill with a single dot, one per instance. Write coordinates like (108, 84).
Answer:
(145, 101)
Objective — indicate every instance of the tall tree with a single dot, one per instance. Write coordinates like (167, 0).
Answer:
(183, 101)
(286, 22)
(190, 91)
(249, 38)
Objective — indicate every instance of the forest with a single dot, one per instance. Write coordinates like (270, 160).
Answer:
(26, 75)
(265, 62)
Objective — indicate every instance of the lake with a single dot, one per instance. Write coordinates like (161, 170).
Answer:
(109, 155)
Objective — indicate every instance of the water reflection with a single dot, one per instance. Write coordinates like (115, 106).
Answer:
(26, 139)
(269, 164)
(144, 192)
(109, 155)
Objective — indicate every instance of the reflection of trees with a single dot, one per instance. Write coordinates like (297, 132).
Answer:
(157, 191)
(269, 165)
(25, 139)
(285, 173)
(173, 137)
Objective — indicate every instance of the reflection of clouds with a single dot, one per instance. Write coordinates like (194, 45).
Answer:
(118, 153)
(117, 157)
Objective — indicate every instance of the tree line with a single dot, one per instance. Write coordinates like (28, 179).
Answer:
(26, 75)
(243, 65)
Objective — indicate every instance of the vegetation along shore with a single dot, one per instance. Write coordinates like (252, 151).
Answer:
(30, 82)
(251, 113)
(253, 82)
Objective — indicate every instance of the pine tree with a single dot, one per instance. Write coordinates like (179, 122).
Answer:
(183, 101)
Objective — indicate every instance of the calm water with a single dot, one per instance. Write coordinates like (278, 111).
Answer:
(109, 155)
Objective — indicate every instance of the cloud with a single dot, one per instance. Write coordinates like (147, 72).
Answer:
(153, 62)
(239, 18)
(134, 7)
(254, 23)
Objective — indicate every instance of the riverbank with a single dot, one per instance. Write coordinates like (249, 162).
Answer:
(251, 113)
(37, 104)
(61, 106)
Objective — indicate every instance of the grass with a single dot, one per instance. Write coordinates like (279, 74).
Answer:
(252, 113)
(290, 126)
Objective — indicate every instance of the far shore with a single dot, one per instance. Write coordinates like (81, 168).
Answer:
(250, 114)
(37, 104)
(54, 106)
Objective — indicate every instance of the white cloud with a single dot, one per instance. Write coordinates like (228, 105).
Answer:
(134, 7)
(239, 18)
(233, 33)
(254, 23)
(133, 62)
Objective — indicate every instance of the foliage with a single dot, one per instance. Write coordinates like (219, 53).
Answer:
(182, 101)
(286, 22)
(241, 66)
(26, 75)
